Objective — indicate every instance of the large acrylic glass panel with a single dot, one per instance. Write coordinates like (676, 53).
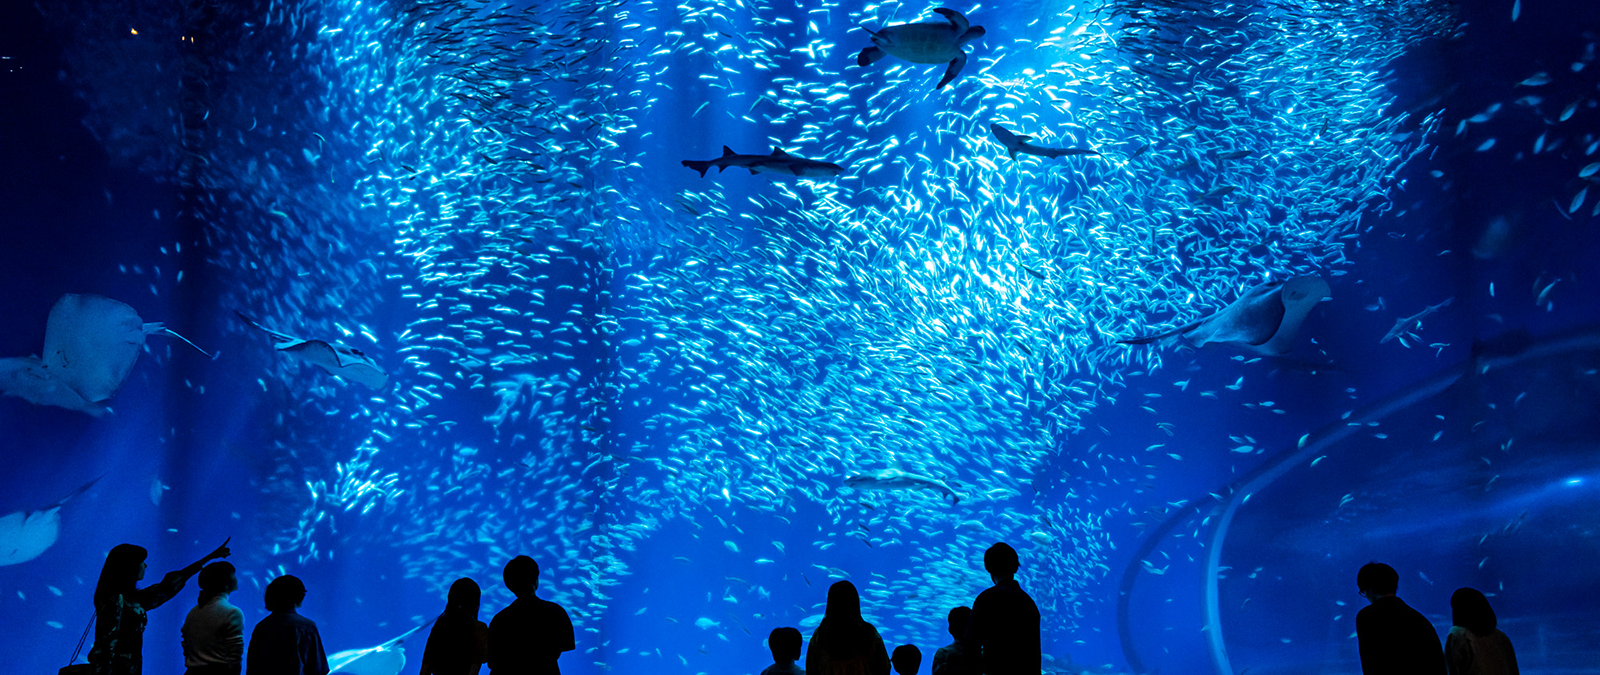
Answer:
(658, 383)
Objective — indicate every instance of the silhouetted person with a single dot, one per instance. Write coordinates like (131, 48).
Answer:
(1004, 627)
(213, 632)
(120, 606)
(527, 637)
(785, 645)
(1474, 646)
(907, 659)
(955, 658)
(459, 642)
(844, 643)
(286, 643)
(1394, 638)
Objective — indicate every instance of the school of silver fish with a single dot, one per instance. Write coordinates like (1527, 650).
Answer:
(588, 344)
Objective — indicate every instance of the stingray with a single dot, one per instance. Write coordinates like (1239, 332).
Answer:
(385, 659)
(1264, 320)
(90, 345)
(340, 360)
(26, 535)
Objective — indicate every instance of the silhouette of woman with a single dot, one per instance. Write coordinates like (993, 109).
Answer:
(1475, 646)
(120, 606)
(459, 642)
(844, 643)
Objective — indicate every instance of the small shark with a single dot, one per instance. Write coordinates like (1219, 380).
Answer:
(778, 162)
(895, 479)
(1406, 325)
(1016, 143)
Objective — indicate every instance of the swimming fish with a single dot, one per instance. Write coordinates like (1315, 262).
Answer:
(931, 42)
(779, 162)
(346, 362)
(90, 345)
(895, 479)
(1264, 320)
(25, 535)
(385, 659)
(1405, 325)
(1015, 143)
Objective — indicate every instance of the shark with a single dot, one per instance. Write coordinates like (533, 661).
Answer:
(779, 162)
(1413, 322)
(895, 479)
(1016, 143)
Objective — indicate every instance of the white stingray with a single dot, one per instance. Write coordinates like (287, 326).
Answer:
(343, 361)
(25, 535)
(385, 659)
(90, 345)
(1264, 320)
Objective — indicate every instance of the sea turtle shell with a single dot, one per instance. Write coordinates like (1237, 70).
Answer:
(921, 42)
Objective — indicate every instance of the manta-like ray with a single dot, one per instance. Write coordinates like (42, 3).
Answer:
(385, 659)
(1264, 320)
(90, 345)
(338, 359)
(895, 479)
(25, 535)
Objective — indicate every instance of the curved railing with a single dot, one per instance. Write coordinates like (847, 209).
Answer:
(1509, 352)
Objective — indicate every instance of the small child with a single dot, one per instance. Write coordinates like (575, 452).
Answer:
(785, 645)
(907, 659)
(953, 659)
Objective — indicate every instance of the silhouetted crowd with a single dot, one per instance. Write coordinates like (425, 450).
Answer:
(525, 638)
(1398, 640)
(997, 635)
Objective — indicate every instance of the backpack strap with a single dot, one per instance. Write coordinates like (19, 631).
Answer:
(81, 640)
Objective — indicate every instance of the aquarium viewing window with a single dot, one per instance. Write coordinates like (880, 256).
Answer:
(706, 307)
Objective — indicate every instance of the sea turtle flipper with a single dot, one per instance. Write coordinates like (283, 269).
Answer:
(954, 69)
(954, 17)
(869, 56)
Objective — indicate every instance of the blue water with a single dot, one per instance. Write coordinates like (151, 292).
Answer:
(656, 383)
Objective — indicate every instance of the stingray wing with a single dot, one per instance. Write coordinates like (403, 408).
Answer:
(91, 343)
(27, 378)
(25, 536)
(1298, 296)
(339, 360)
(1248, 321)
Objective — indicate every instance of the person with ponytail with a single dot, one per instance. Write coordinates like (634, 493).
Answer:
(459, 642)
(120, 606)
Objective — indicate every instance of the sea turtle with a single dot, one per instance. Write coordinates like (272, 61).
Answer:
(933, 42)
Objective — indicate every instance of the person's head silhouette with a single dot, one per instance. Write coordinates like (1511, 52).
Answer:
(521, 576)
(785, 644)
(1001, 562)
(123, 569)
(218, 578)
(844, 602)
(958, 621)
(1377, 580)
(1470, 610)
(907, 659)
(464, 600)
(284, 594)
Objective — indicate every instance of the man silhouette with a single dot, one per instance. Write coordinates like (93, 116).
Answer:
(1004, 626)
(1394, 638)
(527, 637)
